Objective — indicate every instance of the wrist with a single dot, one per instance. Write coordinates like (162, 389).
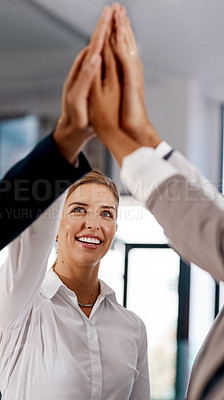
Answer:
(64, 139)
(118, 143)
(150, 136)
(105, 130)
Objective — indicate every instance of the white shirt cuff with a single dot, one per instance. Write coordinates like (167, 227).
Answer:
(163, 149)
(143, 171)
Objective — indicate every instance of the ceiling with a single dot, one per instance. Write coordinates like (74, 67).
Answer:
(39, 39)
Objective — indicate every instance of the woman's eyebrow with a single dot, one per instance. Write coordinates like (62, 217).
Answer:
(108, 207)
(77, 203)
(74, 203)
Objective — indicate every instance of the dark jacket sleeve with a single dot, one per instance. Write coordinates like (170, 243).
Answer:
(32, 184)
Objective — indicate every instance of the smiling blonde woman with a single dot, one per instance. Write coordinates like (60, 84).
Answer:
(63, 335)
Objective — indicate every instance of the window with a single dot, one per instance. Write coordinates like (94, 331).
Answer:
(17, 138)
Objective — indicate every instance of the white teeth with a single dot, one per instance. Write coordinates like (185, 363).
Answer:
(88, 240)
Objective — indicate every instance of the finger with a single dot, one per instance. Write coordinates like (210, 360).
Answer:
(123, 26)
(95, 91)
(118, 18)
(97, 83)
(87, 75)
(124, 43)
(124, 46)
(98, 37)
(130, 37)
(110, 29)
(123, 10)
(118, 39)
(110, 64)
(76, 98)
(69, 82)
(119, 28)
(76, 67)
(116, 6)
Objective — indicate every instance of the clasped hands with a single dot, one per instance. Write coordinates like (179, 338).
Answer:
(104, 93)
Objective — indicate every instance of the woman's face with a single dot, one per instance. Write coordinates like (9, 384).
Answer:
(88, 224)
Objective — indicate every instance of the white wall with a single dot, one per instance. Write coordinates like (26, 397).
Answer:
(167, 100)
(203, 138)
(187, 119)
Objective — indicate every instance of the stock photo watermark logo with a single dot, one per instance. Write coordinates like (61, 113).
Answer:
(36, 190)
(178, 189)
(28, 196)
(130, 213)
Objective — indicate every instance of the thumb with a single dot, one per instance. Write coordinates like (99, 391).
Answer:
(111, 76)
(97, 83)
(89, 70)
(96, 90)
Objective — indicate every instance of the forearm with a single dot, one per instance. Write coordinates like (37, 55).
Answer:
(66, 139)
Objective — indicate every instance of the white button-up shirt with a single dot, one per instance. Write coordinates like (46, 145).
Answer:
(49, 349)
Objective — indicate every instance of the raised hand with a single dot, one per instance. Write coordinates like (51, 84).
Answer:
(105, 95)
(104, 107)
(73, 129)
(134, 119)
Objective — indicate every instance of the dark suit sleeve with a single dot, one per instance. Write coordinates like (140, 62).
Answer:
(32, 185)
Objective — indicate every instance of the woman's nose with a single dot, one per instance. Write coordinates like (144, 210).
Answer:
(92, 222)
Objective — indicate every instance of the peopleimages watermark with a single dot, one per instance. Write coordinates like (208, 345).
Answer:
(130, 213)
(125, 214)
(178, 189)
(37, 190)
(175, 189)
(29, 213)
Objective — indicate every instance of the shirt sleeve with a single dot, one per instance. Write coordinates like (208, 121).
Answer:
(25, 267)
(32, 184)
(143, 171)
(192, 175)
(141, 387)
(163, 149)
(187, 206)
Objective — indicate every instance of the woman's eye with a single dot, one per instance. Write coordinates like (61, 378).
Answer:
(78, 210)
(107, 214)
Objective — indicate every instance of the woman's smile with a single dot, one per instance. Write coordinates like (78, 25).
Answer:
(89, 241)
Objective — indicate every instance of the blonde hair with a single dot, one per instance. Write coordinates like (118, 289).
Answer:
(96, 176)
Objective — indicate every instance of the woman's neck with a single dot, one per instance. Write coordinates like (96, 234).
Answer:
(81, 279)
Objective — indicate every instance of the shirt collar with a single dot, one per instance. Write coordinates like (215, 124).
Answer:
(52, 284)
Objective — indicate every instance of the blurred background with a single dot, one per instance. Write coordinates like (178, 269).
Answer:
(182, 48)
